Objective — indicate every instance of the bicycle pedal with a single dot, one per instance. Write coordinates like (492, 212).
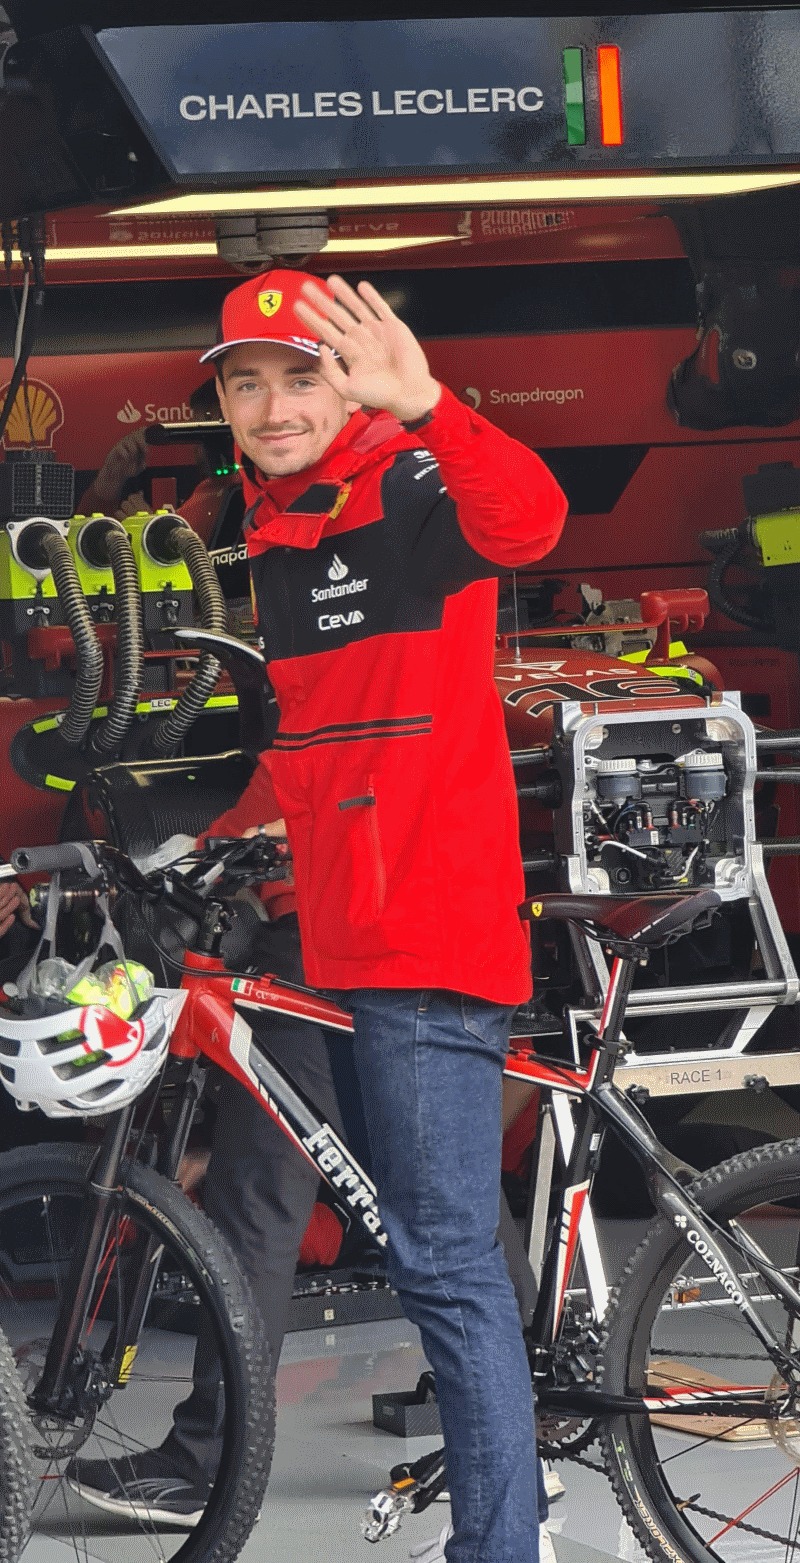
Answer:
(386, 1512)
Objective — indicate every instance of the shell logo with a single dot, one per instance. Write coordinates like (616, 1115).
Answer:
(36, 416)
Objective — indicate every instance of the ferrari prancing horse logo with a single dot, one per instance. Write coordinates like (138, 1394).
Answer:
(269, 303)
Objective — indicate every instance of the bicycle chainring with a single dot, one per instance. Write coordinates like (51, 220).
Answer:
(560, 1436)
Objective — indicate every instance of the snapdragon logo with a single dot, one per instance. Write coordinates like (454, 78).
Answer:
(538, 393)
(472, 395)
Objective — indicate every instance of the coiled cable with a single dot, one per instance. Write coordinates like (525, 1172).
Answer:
(178, 541)
(89, 663)
(724, 545)
(114, 543)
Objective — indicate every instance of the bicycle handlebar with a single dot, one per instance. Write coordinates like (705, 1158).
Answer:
(50, 860)
(234, 858)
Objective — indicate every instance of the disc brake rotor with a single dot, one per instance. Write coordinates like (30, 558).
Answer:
(783, 1430)
(55, 1437)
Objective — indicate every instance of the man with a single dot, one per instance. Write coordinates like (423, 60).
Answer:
(377, 608)
(375, 542)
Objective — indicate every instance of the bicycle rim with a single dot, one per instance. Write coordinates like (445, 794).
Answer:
(91, 1490)
(714, 1486)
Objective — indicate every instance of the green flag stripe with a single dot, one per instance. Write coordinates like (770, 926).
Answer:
(574, 107)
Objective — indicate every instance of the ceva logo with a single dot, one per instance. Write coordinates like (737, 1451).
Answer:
(338, 569)
(472, 395)
(339, 621)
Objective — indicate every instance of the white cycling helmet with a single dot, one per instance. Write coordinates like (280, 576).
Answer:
(86, 1061)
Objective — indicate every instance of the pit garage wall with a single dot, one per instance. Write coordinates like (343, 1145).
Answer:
(591, 400)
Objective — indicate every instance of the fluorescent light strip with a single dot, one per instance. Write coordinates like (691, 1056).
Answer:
(178, 250)
(502, 192)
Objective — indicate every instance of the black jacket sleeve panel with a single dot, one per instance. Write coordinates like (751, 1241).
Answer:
(437, 558)
(509, 506)
(441, 560)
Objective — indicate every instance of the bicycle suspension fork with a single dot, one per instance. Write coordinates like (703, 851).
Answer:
(142, 1263)
(57, 1380)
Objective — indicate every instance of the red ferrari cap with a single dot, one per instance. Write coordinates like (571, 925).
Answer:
(262, 310)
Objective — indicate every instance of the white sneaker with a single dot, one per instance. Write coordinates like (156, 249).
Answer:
(433, 1551)
(547, 1552)
(553, 1485)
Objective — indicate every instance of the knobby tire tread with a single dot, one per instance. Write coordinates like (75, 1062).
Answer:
(235, 1513)
(719, 1191)
(16, 1468)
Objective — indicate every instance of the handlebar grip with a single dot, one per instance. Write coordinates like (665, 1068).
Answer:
(47, 860)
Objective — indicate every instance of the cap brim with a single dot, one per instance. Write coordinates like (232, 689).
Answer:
(278, 341)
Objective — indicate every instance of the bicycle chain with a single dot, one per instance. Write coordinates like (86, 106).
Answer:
(711, 1356)
(727, 1519)
(697, 1508)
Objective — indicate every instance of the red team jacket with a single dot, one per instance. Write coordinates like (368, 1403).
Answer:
(374, 575)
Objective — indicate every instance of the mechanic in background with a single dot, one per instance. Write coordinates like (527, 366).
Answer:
(127, 460)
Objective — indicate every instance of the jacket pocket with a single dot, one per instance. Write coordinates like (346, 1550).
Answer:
(348, 881)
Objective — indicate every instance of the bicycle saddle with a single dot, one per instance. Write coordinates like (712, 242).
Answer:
(645, 920)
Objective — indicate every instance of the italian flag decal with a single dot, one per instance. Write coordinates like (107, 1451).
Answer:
(609, 90)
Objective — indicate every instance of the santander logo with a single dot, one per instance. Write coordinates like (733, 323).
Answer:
(337, 570)
(129, 413)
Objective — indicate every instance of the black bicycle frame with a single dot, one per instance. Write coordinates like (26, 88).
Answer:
(601, 1105)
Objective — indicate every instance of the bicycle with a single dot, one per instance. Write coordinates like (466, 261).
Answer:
(607, 1370)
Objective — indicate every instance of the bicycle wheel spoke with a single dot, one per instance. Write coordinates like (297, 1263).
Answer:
(720, 1486)
(702, 1443)
(751, 1507)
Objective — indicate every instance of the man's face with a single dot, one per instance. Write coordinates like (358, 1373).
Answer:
(282, 413)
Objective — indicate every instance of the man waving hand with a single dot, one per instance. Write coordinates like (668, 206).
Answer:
(382, 511)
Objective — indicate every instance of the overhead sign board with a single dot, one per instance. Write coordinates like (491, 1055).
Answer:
(266, 100)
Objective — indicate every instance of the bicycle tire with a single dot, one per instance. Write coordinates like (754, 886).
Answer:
(663, 1521)
(162, 1210)
(16, 1472)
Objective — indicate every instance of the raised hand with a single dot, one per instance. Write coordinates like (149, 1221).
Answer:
(380, 362)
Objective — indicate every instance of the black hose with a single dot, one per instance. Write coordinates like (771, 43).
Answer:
(30, 233)
(781, 773)
(184, 544)
(541, 864)
(784, 846)
(537, 756)
(778, 742)
(547, 790)
(717, 591)
(89, 655)
(714, 541)
(109, 736)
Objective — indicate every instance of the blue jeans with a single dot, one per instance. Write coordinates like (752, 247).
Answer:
(430, 1069)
